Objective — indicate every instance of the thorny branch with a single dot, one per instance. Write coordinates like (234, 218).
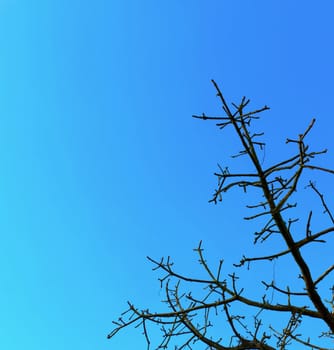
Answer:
(206, 311)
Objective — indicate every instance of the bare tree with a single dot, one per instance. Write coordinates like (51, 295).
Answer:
(214, 312)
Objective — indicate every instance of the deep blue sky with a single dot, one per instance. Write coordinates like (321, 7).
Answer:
(101, 162)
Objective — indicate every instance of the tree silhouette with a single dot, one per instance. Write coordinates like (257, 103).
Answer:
(215, 312)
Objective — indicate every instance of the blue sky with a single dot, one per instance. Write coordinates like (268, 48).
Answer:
(101, 162)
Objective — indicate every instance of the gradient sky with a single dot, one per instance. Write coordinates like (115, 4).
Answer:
(101, 162)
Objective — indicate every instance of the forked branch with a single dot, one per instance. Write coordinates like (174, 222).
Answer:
(219, 312)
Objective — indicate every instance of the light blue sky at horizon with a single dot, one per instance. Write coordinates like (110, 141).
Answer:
(102, 164)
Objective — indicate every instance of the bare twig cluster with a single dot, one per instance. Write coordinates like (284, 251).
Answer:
(200, 311)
